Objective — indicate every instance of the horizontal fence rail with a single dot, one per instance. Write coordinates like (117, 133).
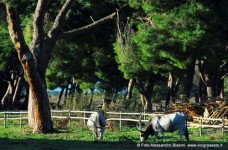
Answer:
(114, 116)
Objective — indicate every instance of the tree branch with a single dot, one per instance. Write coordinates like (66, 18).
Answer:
(38, 24)
(59, 19)
(15, 32)
(89, 26)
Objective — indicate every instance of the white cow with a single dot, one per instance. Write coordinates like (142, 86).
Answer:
(96, 123)
(165, 123)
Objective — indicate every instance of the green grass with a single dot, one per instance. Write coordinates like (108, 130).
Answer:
(14, 138)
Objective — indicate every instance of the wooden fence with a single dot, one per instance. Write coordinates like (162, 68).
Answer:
(112, 116)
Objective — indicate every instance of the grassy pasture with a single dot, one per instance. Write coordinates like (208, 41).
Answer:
(77, 137)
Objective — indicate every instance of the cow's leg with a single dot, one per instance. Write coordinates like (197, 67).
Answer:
(100, 135)
(95, 134)
(186, 134)
(181, 133)
(163, 135)
(155, 136)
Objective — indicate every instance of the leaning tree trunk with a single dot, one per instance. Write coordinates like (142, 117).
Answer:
(38, 109)
(128, 95)
(8, 97)
(16, 98)
(7, 100)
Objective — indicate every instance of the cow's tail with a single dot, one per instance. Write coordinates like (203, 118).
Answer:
(186, 129)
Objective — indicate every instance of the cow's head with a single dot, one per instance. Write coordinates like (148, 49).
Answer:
(143, 136)
(148, 130)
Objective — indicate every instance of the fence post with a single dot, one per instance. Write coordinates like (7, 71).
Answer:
(4, 119)
(200, 125)
(69, 118)
(20, 119)
(223, 126)
(120, 121)
(84, 118)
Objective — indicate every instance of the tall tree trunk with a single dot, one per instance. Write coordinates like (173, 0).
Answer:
(221, 89)
(91, 97)
(190, 71)
(107, 99)
(208, 86)
(60, 97)
(200, 90)
(146, 91)
(143, 101)
(128, 95)
(169, 90)
(149, 91)
(7, 98)
(206, 77)
(16, 98)
(196, 94)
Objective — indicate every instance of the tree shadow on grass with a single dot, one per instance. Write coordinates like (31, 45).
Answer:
(62, 144)
(37, 144)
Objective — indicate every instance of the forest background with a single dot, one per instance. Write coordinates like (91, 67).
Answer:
(124, 54)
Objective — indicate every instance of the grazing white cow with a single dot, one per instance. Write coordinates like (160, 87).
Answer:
(165, 123)
(96, 123)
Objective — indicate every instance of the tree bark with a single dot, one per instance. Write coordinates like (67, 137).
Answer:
(143, 101)
(169, 90)
(16, 94)
(91, 97)
(146, 89)
(206, 78)
(190, 71)
(128, 95)
(220, 89)
(208, 86)
(200, 90)
(60, 97)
